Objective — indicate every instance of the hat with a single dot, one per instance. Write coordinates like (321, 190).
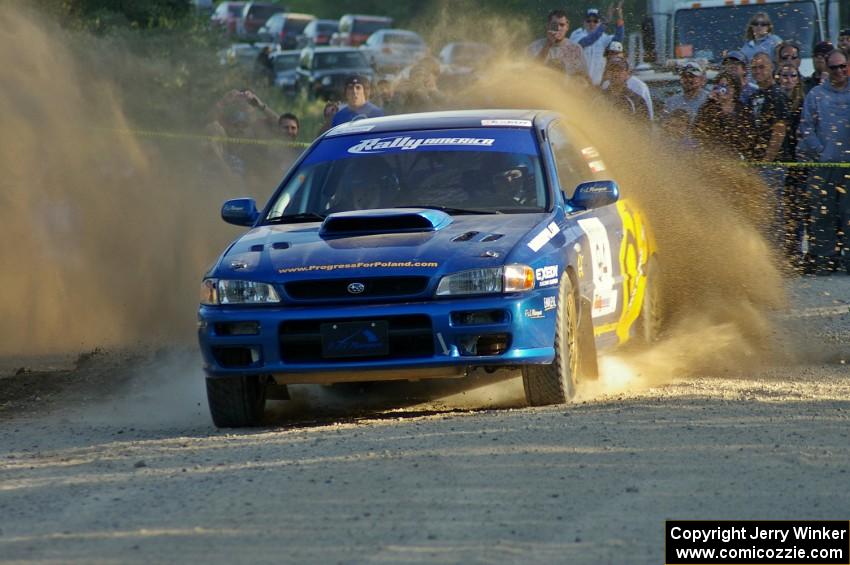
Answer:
(356, 79)
(735, 56)
(845, 31)
(822, 48)
(615, 47)
(592, 13)
(693, 68)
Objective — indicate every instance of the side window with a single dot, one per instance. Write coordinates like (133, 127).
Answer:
(575, 163)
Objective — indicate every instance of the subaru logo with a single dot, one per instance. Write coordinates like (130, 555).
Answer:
(356, 288)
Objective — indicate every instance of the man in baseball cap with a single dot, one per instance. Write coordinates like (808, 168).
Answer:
(693, 96)
(593, 40)
(735, 63)
(357, 90)
(819, 53)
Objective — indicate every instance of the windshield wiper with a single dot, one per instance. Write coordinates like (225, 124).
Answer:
(294, 218)
(450, 210)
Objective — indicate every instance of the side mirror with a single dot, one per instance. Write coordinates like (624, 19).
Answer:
(595, 194)
(240, 212)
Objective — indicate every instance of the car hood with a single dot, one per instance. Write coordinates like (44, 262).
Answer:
(339, 72)
(288, 252)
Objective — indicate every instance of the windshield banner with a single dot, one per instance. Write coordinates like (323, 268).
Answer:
(482, 139)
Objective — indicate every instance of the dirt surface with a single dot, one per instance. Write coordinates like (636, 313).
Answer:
(114, 459)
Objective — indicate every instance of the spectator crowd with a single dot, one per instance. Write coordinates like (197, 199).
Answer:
(794, 130)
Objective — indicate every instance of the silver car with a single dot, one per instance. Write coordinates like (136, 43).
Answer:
(390, 50)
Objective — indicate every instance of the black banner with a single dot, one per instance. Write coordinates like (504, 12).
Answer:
(803, 542)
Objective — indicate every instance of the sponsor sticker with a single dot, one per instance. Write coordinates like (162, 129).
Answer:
(508, 123)
(359, 265)
(602, 267)
(546, 276)
(549, 303)
(407, 143)
(544, 236)
(533, 313)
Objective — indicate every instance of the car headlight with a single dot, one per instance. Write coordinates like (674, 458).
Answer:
(224, 291)
(326, 81)
(510, 278)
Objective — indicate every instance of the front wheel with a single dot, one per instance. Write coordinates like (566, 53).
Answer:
(555, 383)
(237, 402)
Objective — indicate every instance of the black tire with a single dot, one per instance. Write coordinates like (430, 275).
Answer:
(237, 402)
(650, 323)
(555, 383)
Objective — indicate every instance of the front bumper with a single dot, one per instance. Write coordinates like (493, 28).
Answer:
(489, 331)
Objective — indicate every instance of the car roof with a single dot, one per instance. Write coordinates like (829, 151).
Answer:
(367, 17)
(333, 49)
(441, 120)
(299, 15)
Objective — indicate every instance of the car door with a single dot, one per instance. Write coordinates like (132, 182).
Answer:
(615, 239)
(598, 231)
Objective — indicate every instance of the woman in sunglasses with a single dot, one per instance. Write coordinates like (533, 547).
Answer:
(760, 37)
(795, 203)
(723, 123)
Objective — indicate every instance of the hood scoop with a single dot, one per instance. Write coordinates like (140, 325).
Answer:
(397, 220)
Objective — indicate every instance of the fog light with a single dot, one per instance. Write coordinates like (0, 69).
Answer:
(237, 328)
(489, 344)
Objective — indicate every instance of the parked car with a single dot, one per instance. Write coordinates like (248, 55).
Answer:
(390, 50)
(460, 60)
(284, 29)
(226, 17)
(285, 64)
(317, 32)
(355, 29)
(243, 54)
(424, 246)
(322, 70)
(254, 15)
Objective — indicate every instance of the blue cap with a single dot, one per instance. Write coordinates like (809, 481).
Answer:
(737, 56)
(592, 13)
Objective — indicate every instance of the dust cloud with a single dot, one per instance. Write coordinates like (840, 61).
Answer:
(720, 277)
(106, 236)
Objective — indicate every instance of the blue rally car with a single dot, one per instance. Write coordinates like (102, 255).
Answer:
(422, 246)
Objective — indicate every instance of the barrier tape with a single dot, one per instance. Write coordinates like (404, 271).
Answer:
(204, 137)
(304, 144)
(796, 165)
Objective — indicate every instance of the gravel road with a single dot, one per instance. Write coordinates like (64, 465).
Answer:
(112, 458)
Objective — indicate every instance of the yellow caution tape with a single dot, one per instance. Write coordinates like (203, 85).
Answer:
(796, 165)
(304, 144)
(204, 137)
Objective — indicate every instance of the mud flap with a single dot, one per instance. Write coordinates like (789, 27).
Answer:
(588, 365)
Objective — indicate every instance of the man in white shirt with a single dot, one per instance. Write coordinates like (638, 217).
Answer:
(594, 41)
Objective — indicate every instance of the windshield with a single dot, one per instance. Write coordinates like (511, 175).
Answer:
(285, 62)
(402, 39)
(326, 26)
(467, 171)
(340, 60)
(711, 30)
(296, 25)
(235, 9)
(367, 27)
(263, 12)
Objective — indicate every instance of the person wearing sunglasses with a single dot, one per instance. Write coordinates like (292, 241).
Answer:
(825, 138)
(723, 123)
(594, 41)
(820, 74)
(795, 202)
(760, 37)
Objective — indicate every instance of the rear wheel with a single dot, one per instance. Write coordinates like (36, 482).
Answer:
(555, 383)
(237, 402)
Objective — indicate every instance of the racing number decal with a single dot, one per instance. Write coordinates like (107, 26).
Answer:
(634, 255)
(602, 264)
